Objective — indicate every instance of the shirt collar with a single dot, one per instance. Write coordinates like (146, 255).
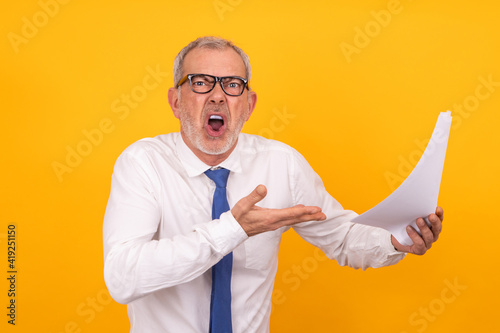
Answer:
(194, 166)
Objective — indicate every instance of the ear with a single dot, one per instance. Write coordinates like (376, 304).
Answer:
(173, 100)
(252, 101)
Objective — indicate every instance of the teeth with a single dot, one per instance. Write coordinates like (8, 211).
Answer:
(215, 117)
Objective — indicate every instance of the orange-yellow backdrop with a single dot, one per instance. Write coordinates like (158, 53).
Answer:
(355, 86)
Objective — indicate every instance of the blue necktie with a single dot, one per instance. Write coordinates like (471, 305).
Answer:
(220, 302)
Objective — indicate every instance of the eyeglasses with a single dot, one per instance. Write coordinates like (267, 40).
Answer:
(204, 83)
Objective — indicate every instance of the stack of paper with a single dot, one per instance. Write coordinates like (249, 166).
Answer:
(417, 196)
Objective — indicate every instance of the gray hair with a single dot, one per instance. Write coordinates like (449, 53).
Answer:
(213, 43)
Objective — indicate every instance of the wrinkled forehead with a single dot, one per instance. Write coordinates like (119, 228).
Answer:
(225, 62)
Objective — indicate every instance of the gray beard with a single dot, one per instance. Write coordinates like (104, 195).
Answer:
(195, 136)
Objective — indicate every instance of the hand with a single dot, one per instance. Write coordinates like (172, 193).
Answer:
(429, 235)
(255, 220)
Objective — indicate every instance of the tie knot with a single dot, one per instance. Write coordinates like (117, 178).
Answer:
(219, 176)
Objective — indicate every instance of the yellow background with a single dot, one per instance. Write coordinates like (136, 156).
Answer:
(359, 117)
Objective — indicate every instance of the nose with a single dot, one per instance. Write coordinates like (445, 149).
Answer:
(217, 95)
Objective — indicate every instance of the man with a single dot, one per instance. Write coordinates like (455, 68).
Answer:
(167, 252)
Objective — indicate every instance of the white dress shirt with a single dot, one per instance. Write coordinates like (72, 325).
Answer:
(160, 242)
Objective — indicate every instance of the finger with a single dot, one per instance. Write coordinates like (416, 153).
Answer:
(296, 214)
(303, 210)
(257, 195)
(245, 204)
(418, 246)
(436, 225)
(308, 213)
(293, 215)
(440, 213)
(398, 246)
(425, 232)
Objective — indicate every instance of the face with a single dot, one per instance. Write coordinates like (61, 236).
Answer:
(210, 123)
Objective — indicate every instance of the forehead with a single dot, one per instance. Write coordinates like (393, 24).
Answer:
(214, 62)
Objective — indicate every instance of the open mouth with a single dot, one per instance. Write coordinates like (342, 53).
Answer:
(215, 125)
(215, 122)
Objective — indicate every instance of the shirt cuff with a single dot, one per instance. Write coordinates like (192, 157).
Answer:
(393, 255)
(226, 233)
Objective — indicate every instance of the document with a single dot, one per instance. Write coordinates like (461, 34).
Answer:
(417, 196)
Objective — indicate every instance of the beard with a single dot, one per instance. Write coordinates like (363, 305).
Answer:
(205, 143)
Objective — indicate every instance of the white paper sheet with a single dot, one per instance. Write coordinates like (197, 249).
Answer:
(417, 196)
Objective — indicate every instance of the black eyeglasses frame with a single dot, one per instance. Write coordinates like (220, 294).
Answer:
(216, 79)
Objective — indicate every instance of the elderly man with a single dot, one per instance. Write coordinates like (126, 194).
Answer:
(185, 244)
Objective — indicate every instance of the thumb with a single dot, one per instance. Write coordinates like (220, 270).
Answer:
(257, 195)
(246, 203)
(398, 246)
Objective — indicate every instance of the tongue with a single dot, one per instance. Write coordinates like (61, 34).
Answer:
(216, 124)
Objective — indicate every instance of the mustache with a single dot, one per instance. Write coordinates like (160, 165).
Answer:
(223, 109)
(216, 108)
